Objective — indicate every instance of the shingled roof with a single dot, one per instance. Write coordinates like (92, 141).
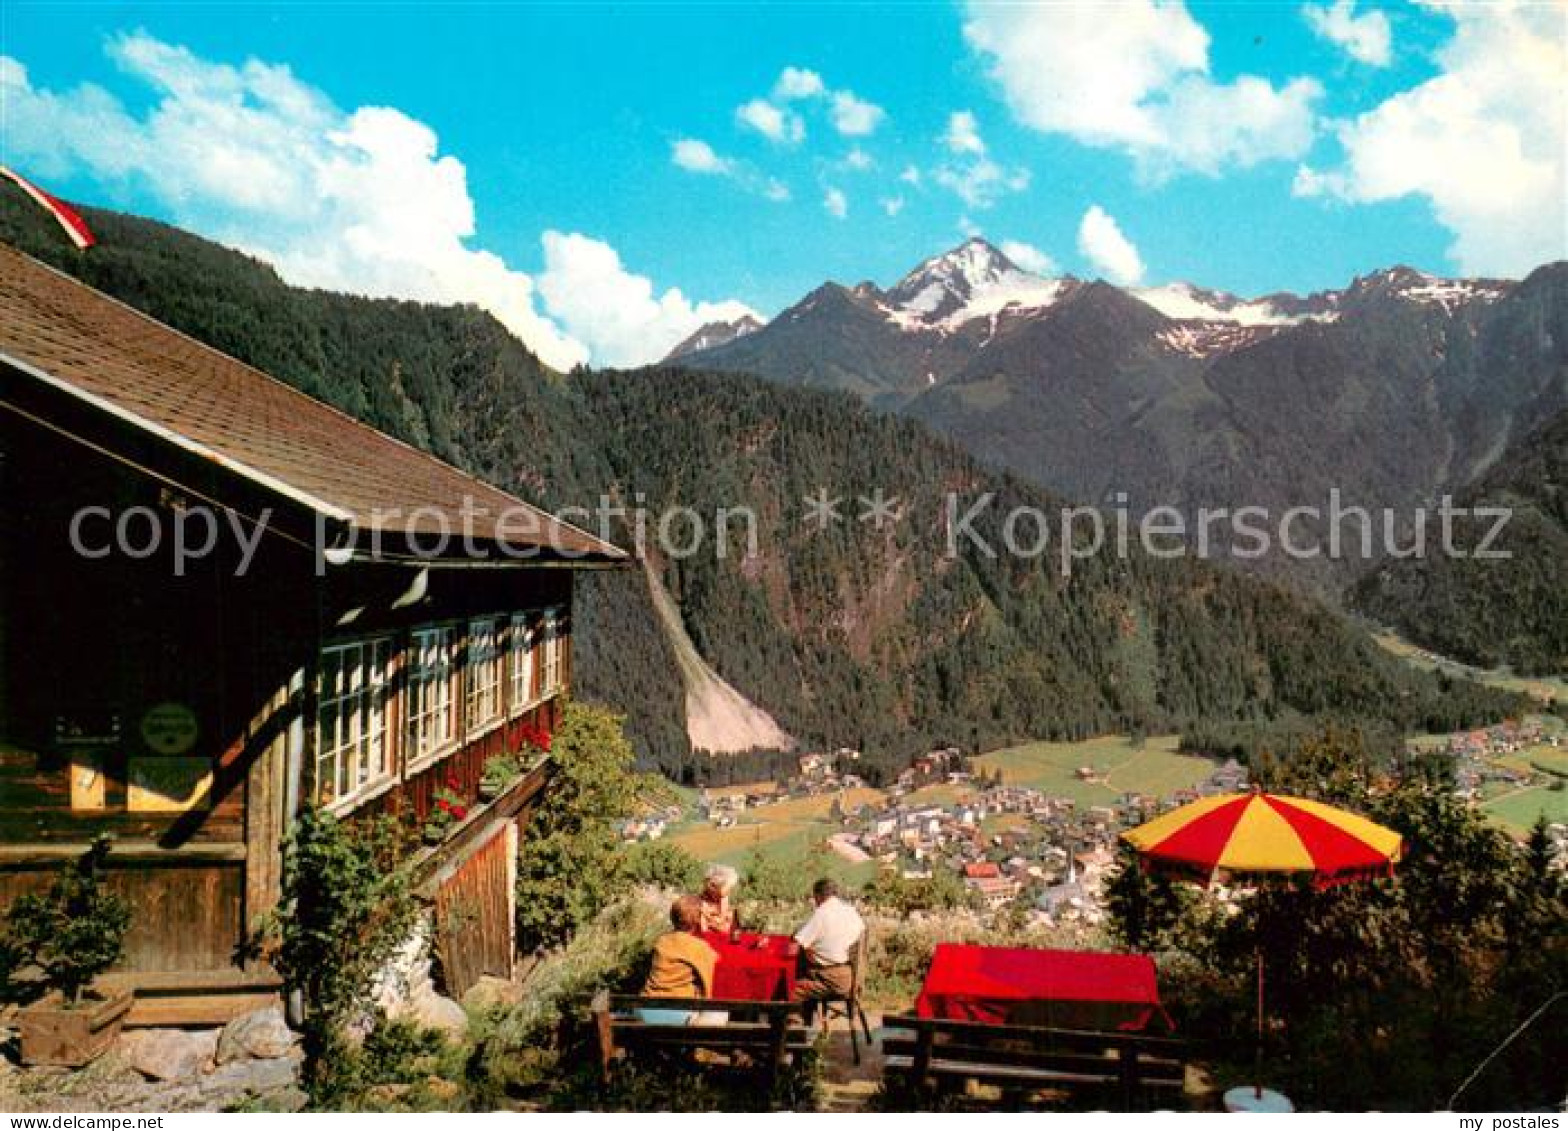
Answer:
(58, 331)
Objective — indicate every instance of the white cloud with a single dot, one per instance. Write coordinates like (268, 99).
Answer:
(858, 159)
(796, 83)
(977, 180)
(360, 201)
(772, 122)
(1482, 141)
(697, 156)
(615, 312)
(1029, 257)
(910, 175)
(892, 205)
(773, 117)
(981, 182)
(1366, 38)
(1135, 76)
(963, 133)
(1101, 241)
(854, 116)
(836, 202)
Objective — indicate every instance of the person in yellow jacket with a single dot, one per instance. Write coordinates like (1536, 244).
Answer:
(683, 964)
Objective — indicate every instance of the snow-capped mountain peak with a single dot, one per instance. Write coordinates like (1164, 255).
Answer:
(951, 277)
(973, 280)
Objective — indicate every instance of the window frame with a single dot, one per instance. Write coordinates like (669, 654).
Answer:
(493, 659)
(372, 691)
(522, 629)
(419, 757)
(552, 679)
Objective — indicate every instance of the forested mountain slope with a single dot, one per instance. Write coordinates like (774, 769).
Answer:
(1511, 610)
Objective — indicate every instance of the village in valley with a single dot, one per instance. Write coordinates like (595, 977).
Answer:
(1044, 847)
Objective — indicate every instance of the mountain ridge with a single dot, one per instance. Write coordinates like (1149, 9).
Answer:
(1392, 389)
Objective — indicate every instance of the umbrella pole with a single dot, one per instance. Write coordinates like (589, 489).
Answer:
(1257, 1061)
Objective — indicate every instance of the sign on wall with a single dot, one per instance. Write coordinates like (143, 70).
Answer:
(88, 788)
(169, 728)
(168, 785)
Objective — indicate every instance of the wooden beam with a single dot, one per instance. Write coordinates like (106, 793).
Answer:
(13, 856)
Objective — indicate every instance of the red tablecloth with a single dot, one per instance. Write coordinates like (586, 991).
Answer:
(748, 971)
(1069, 989)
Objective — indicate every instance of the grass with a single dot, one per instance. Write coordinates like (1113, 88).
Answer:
(943, 795)
(1155, 769)
(1533, 759)
(1519, 809)
(1541, 688)
(791, 832)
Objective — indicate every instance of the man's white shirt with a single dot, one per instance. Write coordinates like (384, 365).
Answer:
(832, 932)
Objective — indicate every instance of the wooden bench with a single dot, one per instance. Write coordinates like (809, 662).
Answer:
(924, 1051)
(769, 1032)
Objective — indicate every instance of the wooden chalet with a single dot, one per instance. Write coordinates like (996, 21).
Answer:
(328, 649)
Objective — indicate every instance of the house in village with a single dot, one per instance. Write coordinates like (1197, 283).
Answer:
(326, 648)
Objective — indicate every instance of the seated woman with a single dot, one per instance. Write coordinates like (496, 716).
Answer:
(718, 913)
(683, 964)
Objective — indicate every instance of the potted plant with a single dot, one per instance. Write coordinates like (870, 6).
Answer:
(449, 809)
(500, 771)
(532, 742)
(70, 933)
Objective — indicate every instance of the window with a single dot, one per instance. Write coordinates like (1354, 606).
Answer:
(353, 751)
(521, 648)
(484, 673)
(551, 668)
(432, 715)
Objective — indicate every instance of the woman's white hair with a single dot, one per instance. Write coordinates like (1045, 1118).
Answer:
(723, 877)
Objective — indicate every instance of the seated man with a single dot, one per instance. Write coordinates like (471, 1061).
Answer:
(718, 913)
(682, 964)
(827, 944)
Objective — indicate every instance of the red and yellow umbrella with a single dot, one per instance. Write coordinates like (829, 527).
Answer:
(1237, 834)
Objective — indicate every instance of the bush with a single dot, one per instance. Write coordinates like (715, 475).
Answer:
(347, 906)
(943, 891)
(661, 865)
(72, 932)
(573, 864)
(523, 1049)
(400, 1067)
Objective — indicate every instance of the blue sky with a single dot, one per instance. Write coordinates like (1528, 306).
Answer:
(605, 157)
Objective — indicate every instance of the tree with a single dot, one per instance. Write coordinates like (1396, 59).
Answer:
(1143, 906)
(572, 862)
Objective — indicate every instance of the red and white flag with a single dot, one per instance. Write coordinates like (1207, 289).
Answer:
(75, 227)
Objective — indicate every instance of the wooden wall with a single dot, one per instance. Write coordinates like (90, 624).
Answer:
(474, 918)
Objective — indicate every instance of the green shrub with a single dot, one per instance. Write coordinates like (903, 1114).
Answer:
(347, 906)
(72, 932)
(663, 865)
(572, 864)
